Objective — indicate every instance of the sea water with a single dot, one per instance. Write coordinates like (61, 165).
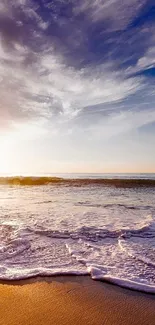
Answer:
(105, 231)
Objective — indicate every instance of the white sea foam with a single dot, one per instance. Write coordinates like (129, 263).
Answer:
(97, 274)
(44, 231)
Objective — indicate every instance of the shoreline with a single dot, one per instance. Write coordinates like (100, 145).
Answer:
(120, 283)
(73, 300)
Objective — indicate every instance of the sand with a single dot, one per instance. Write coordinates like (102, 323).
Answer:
(73, 300)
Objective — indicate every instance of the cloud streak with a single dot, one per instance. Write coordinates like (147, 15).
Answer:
(59, 60)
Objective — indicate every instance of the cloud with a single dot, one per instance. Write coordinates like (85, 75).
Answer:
(60, 60)
(48, 87)
(119, 13)
(148, 60)
(98, 126)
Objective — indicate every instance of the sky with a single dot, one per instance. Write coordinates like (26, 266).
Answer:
(77, 86)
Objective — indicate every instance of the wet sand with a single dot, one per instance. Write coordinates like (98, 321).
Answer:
(73, 300)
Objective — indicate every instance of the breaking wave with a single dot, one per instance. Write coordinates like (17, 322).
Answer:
(117, 182)
(118, 256)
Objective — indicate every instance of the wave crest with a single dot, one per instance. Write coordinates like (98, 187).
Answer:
(38, 181)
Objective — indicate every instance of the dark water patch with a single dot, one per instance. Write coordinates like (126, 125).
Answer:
(44, 202)
(110, 205)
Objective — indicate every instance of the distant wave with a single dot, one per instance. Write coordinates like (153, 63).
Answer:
(38, 181)
(22, 180)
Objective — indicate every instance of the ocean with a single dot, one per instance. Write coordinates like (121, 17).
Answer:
(99, 225)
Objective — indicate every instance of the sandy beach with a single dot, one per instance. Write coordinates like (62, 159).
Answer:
(73, 300)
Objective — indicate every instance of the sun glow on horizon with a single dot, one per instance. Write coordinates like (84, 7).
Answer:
(24, 152)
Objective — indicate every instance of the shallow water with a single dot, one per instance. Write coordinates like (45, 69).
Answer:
(105, 231)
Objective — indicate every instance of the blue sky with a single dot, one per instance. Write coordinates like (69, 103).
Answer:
(77, 87)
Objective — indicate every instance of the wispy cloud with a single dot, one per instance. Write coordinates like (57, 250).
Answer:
(58, 59)
(100, 10)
